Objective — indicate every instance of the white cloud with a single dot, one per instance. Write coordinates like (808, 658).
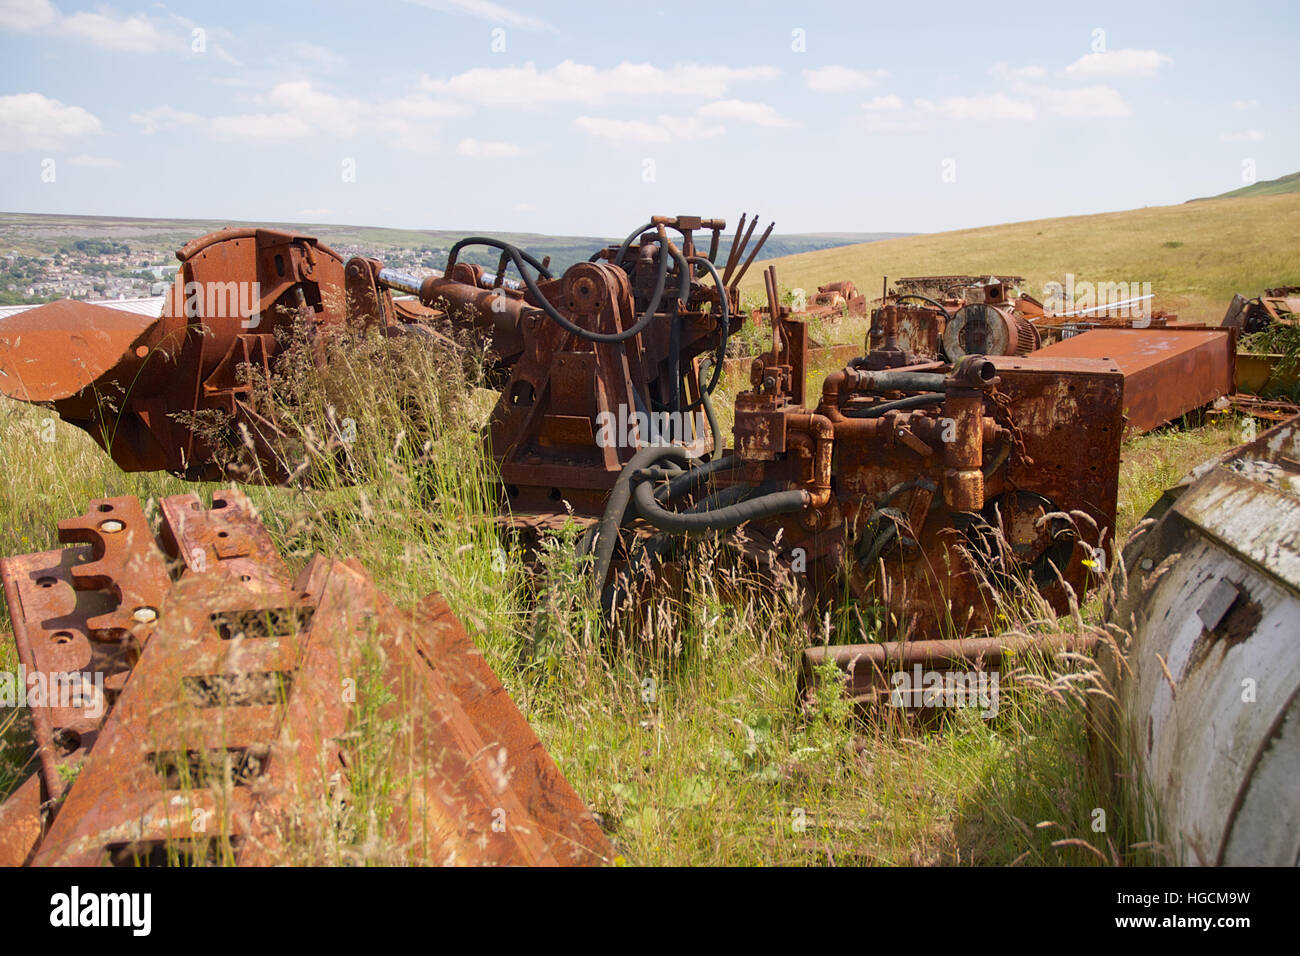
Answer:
(299, 109)
(997, 106)
(883, 103)
(133, 34)
(1245, 104)
(93, 162)
(478, 149)
(623, 131)
(334, 115)
(32, 121)
(1118, 63)
(690, 128)
(485, 10)
(1245, 136)
(104, 28)
(314, 213)
(1102, 102)
(26, 15)
(840, 79)
(162, 118)
(571, 82)
(759, 114)
(1029, 72)
(525, 207)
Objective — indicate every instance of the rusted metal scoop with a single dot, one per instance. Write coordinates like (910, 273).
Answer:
(200, 704)
(135, 383)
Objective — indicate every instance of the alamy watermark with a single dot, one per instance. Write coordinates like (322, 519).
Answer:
(920, 688)
(1127, 300)
(638, 429)
(219, 300)
(84, 691)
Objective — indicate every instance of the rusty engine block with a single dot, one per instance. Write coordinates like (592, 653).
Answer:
(930, 487)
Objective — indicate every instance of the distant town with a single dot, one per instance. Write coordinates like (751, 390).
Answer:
(101, 269)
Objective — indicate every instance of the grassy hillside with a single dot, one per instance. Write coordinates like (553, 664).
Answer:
(1195, 255)
(1270, 187)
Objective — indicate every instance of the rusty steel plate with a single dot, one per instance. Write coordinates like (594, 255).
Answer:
(1168, 372)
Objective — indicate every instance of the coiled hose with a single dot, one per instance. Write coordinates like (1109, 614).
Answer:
(519, 257)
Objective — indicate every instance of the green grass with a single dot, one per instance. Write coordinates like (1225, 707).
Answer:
(1269, 187)
(1195, 255)
(681, 730)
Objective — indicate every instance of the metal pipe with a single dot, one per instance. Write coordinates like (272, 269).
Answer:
(868, 664)
(402, 282)
(1106, 307)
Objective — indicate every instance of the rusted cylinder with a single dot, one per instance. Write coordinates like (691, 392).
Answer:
(492, 311)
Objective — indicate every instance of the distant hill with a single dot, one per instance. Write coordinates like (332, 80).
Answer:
(35, 234)
(1195, 255)
(1269, 187)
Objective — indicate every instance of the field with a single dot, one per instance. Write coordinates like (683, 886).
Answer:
(715, 764)
(1195, 255)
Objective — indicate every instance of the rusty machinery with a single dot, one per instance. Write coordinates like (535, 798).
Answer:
(948, 317)
(831, 301)
(928, 488)
(626, 332)
(207, 709)
(1278, 306)
(894, 483)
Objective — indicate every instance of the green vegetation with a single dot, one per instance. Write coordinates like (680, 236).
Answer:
(1269, 187)
(1195, 255)
(680, 729)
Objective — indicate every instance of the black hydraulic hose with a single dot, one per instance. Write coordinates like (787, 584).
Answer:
(515, 253)
(724, 329)
(911, 401)
(729, 495)
(606, 535)
(689, 480)
(622, 250)
(902, 486)
(707, 402)
(531, 283)
(718, 519)
(923, 298)
(675, 332)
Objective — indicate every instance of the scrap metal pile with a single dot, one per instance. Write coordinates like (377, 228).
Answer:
(1278, 306)
(201, 704)
(932, 474)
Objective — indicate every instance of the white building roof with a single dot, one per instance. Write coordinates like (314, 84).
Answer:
(151, 306)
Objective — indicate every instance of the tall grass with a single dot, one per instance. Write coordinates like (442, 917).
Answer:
(678, 724)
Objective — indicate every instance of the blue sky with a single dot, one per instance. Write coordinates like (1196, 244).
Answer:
(579, 119)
